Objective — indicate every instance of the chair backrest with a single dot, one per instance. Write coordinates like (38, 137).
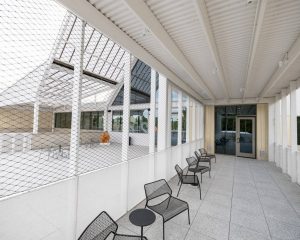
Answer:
(191, 161)
(203, 151)
(156, 189)
(179, 172)
(197, 155)
(99, 228)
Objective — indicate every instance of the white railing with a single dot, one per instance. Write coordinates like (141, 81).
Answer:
(63, 209)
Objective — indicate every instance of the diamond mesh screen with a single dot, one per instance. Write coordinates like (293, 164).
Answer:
(59, 78)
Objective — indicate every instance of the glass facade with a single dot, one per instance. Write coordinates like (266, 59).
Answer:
(117, 121)
(298, 130)
(225, 126)
(89, 120)
(184, 113)
(174, 118)
(139, 121)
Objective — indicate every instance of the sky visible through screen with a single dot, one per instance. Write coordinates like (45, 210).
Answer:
(28, 30)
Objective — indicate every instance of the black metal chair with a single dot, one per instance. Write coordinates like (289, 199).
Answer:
(203, 159)
(169, 207)
(101, 227)
(204, 153)
(187, 179)
(194, 167)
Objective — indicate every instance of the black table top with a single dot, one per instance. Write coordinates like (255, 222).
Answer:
(142, 217)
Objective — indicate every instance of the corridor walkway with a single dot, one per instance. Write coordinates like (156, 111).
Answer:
(244, 199)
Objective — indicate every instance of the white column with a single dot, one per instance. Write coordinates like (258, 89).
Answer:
(151, 128)
(36, 111)
(277, 130)
(179, 104)
(193, 121)
(271, 131)
(197, 121)
(105, 119)
(75, 123)
(162, 113)
(188, 124)
(169, 112)
(284, 129)
(126, 106)
(293, 128)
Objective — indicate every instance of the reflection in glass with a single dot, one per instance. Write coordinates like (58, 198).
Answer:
(184, 112)
(174, 119)
(117, 121)
(139, 121)
(225, 126)
(246, 136)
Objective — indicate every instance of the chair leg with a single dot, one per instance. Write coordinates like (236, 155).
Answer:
(163, 230)
(179, 189)
(199, 190)
(201, 177)
(189, 216)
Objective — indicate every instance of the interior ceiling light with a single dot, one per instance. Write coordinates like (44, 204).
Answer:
(215, 70)
(284, 61)
(145, 32)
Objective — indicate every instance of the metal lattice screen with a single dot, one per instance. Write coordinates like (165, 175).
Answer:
(51, 114)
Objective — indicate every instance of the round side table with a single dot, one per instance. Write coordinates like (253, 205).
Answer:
(142, 217)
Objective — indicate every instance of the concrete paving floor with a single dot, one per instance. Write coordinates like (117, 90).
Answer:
(243, 199)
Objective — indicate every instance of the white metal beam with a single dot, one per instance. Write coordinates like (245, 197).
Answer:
(95, 18)
(204, 20)
(293, 55)
(142, 11)
(258, 23)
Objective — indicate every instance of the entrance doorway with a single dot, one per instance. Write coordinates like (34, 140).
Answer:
(235, 130)
(245, 137)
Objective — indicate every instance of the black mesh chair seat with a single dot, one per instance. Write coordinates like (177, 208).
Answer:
(204, 153)
(167, 208)
(196, 168)
(187, 179)
(101, 227)
(190, 179)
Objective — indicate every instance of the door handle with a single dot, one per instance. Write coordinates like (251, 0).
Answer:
(238, 140)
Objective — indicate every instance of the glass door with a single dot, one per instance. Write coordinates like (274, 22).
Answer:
(245, 137)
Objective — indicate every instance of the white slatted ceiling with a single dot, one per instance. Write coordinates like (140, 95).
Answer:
(292, 74)
(232, 25)
(119, 13)
(183, 25)
(281, 27)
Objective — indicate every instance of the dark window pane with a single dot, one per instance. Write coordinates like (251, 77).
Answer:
(117, 121)
(298, 130)
(139, 121)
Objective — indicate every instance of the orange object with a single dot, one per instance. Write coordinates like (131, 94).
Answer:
(104, 137)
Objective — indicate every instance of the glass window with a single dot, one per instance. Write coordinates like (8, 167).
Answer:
(225, 126)
(89, 120)
(174, 117)
(117, 121)
(92, 120)
(139, 121)
(184, 112)
(63, 120)
(298, 130)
